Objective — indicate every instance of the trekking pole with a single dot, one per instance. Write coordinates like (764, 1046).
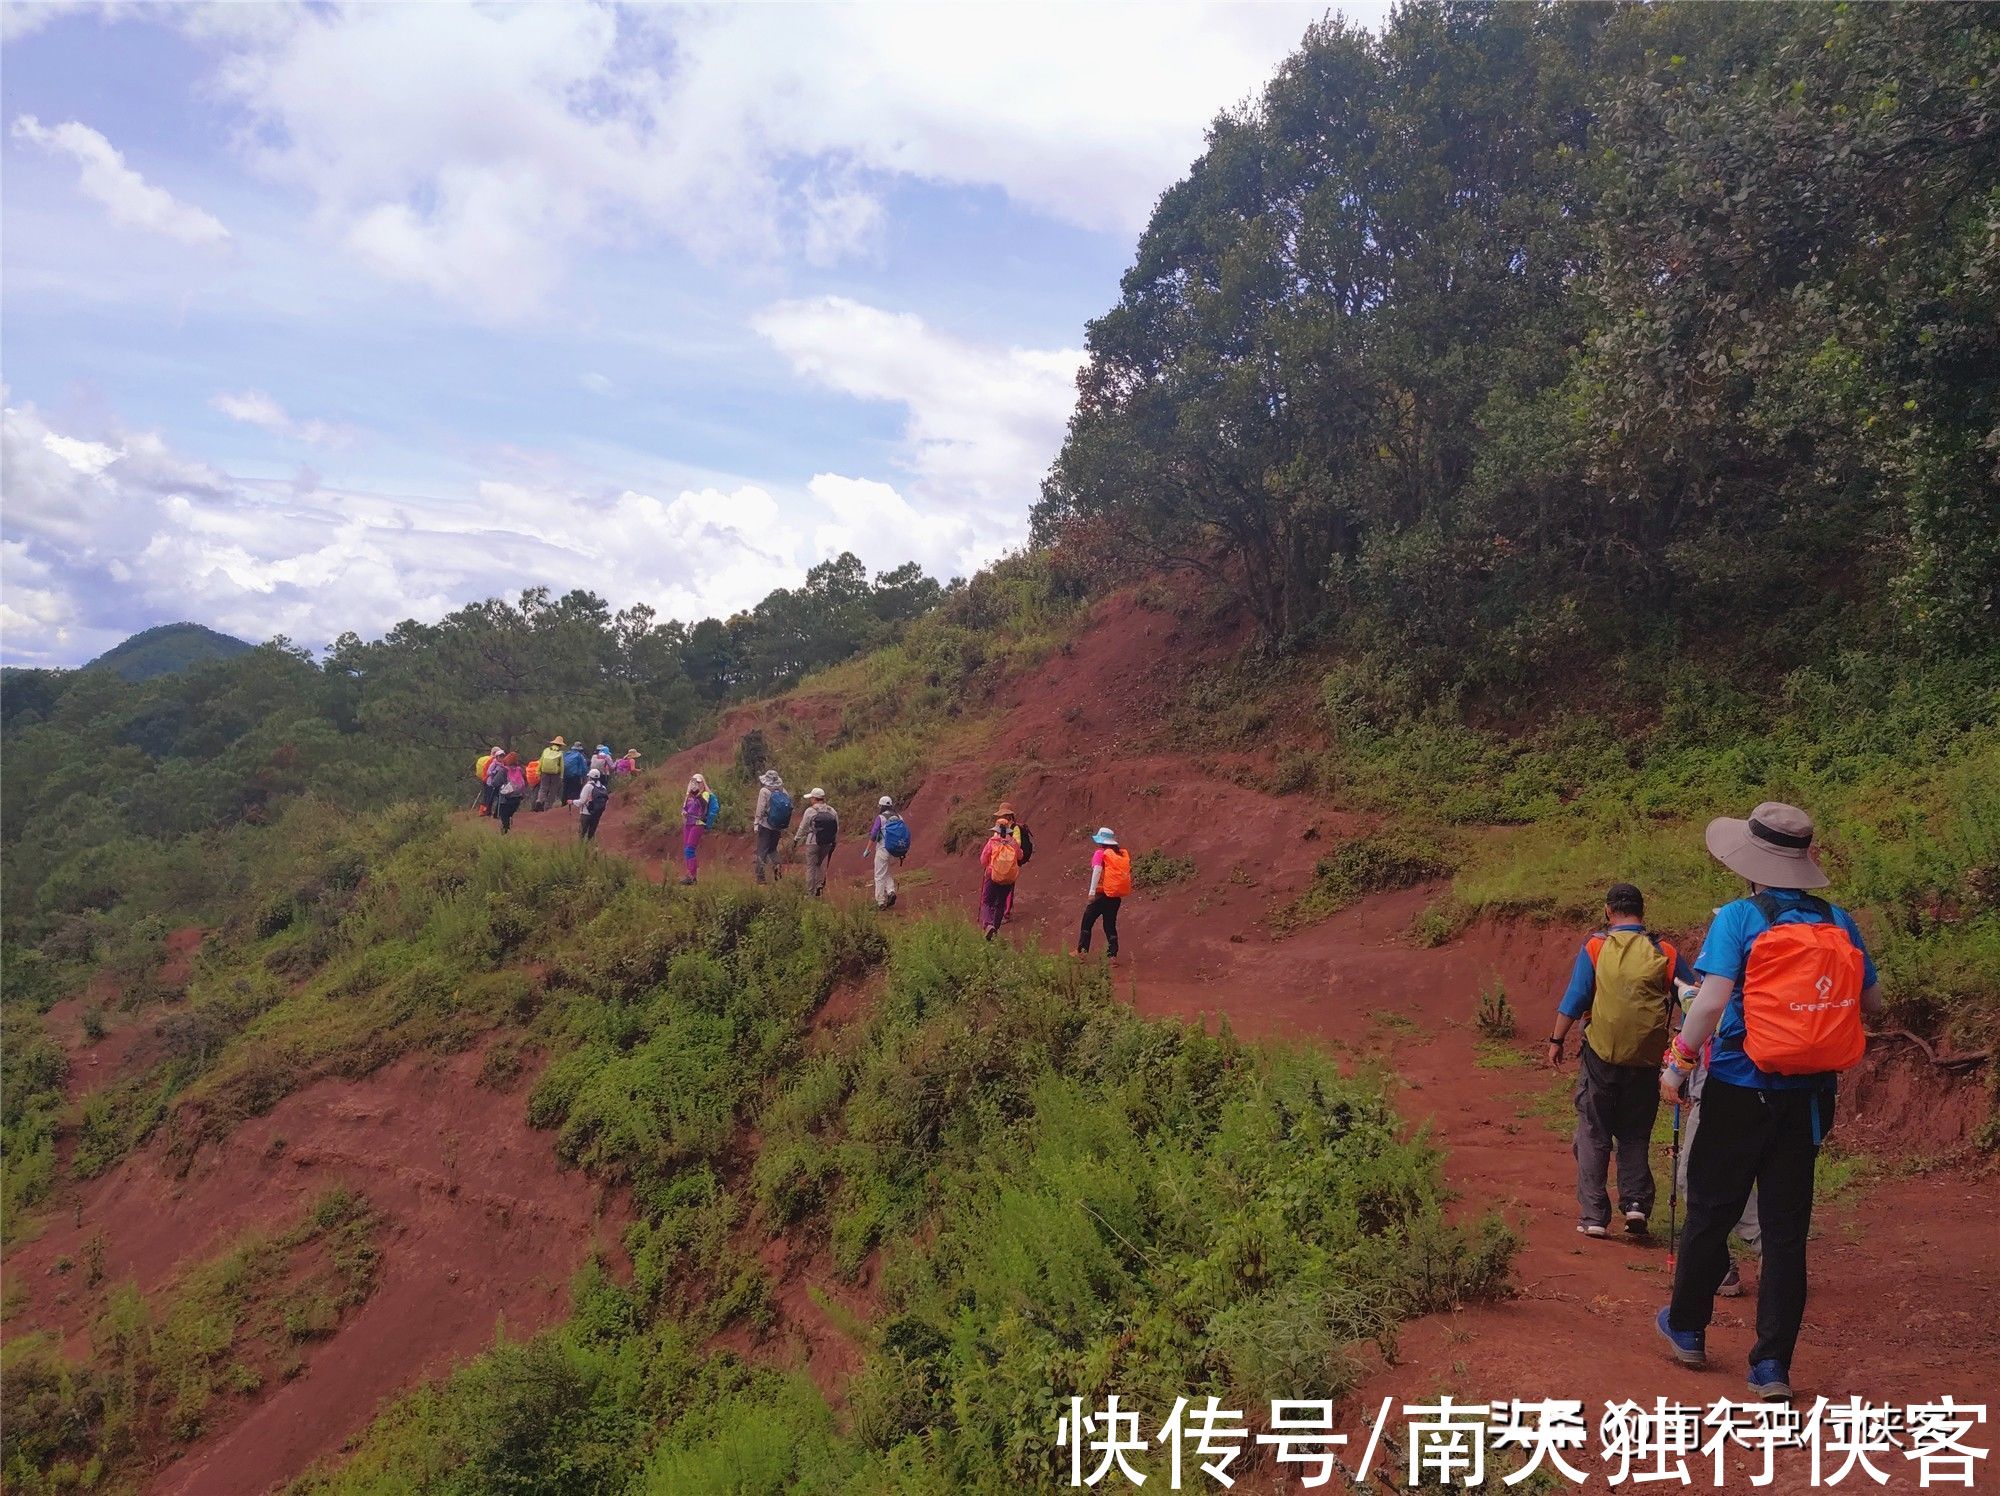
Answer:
(1674, 1196)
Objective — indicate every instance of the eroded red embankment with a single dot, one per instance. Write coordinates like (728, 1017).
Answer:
(482, 1228)
(1903, 1268)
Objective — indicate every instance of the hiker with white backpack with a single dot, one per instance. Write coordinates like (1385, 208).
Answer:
(590, 803)
(774, 814)
(1786, 979)
(889, 842)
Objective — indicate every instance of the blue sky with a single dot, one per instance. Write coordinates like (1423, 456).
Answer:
(316, 318)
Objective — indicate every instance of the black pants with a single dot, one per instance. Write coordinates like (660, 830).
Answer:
(1615, 1108)
(572, 786)
(1100, 904)
(586, 824)
(1769, 1139)
(504, 807)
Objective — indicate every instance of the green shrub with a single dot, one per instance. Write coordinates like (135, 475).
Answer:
(1371, 864)
(1155, 869)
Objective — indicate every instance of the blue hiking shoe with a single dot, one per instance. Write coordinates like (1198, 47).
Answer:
(1690, 1346)
(1770, 1381)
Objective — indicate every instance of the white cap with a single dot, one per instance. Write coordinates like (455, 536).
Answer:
(885, 802)
(815, 793)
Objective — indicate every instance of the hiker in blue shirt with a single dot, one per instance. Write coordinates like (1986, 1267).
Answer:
(1785, 981)
(1623, 986)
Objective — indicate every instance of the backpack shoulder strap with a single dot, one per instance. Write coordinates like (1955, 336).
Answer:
(1766, 905)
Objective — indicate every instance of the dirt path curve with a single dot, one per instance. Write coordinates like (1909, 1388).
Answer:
(1905, 1266)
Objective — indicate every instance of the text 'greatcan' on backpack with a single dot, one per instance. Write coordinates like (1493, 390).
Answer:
(1802, 993)
(778, 811)
(895, 836)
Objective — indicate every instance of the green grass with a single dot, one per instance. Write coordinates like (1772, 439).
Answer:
(1370, 864)
(1898, 763)
(1155, 869)
(1059, 1196)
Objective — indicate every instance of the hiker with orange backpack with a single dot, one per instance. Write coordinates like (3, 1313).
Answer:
(1622, 987)
(1110, 883)
(1024, 839)
(1000, 863)
(482, 770)
(1785, 981)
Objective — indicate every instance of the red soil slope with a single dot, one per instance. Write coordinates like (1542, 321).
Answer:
(1903, 1269)
(483, 1229)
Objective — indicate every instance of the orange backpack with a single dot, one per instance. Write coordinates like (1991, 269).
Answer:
(1802, 993)
(1116, 881)
(1005, 864)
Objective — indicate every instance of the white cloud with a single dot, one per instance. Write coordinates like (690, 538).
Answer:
(473, 151)
(109, 533)
(128, 197)
(982, 424)
(255, 408)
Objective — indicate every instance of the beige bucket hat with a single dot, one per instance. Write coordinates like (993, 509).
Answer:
(1772, 847)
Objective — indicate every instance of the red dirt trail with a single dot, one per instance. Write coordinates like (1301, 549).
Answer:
(1905, 1269)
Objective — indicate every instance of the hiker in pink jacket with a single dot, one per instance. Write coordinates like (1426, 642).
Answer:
(694, 821)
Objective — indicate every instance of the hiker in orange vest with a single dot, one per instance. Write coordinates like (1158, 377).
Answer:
(1622, 988)
(1785, 981)
(1000, 862)
(1110, 882)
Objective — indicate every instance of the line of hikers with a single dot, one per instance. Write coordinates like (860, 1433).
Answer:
(1769, 1012)
(1007, 849)
(562, 774)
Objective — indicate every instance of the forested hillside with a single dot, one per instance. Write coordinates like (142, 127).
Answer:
(1525, 334)
(166, 649)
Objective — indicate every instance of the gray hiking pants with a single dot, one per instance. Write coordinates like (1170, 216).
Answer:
(548, 793)
(1747, 1226)
(1615, 1108)
(816, 859)
(767, 852)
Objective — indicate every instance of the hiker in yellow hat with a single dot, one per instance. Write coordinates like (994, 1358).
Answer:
(549, 787)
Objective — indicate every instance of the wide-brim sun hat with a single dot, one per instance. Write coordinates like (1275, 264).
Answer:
(1003, 809)
(1105, 837)
(1772, 846)
(557, 742)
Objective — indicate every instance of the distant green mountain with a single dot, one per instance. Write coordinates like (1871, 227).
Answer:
(165, 650)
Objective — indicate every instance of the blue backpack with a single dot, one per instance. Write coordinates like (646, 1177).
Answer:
(896, 836)
(778, 814)
(714, 810)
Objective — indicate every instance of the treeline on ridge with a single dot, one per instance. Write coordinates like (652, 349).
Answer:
(1520, 333)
